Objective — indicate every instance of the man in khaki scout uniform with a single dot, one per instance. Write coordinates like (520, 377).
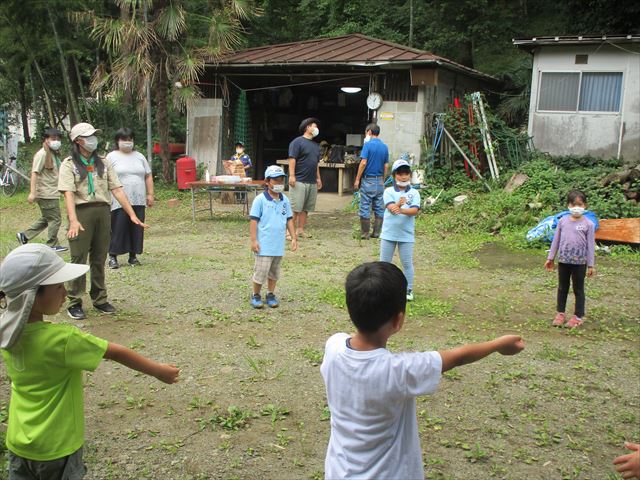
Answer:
(44, 191)
(87, 182)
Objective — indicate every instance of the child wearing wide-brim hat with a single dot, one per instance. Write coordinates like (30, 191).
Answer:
(44, 361)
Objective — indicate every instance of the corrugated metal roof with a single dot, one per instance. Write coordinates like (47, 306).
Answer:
(530, 42)
(346, 48)
(353, 49)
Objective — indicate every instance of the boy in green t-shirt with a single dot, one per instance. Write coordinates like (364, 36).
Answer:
(45, 363)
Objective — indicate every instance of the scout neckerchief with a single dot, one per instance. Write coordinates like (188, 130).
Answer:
(89, 165)
(57, 159)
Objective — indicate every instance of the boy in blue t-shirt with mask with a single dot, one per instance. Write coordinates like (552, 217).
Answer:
(271, 217)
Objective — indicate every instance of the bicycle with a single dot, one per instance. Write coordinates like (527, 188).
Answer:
(10, 176)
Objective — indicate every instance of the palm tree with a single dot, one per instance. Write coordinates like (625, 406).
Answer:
(157, 43)
(514, 101)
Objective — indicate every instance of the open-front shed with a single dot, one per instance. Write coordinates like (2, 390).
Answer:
(260, 95)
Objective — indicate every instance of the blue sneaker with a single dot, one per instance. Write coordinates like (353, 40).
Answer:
(256, 301)
(272, 301)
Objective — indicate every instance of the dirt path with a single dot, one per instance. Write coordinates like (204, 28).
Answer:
(251, 402)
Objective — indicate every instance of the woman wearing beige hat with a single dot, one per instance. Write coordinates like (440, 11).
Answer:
(86, 180)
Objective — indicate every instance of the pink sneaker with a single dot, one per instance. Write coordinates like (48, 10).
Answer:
(574, 322)
(559, 320)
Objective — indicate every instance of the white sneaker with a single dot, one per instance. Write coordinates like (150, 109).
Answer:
(410, 295)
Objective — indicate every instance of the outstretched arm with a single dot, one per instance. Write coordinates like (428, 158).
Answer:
(506, 345)
(629, 465)
(126, 206)
(127, 357)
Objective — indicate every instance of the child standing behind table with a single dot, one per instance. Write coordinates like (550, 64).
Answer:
(239, 163)
(574, 242)
(271, 217)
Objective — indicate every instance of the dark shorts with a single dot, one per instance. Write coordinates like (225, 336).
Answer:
(70, 467)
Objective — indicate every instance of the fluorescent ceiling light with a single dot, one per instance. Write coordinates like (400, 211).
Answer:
(350, 89)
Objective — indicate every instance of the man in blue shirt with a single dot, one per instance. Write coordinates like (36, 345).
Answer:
(370, 180)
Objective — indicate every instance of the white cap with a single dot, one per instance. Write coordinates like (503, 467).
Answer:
(400, 163)
(83, 130)
(274, 171)
(21, 273)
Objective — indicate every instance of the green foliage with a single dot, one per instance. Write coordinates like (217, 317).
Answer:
(334, 297)
(235, 419)
(313, 355)
(551, 178)
(476, 33)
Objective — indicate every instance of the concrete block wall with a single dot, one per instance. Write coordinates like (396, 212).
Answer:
(401, 126)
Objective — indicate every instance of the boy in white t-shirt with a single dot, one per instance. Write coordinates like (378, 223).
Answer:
(371, 391)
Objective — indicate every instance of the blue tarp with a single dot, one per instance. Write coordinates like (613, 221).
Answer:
(546, 229)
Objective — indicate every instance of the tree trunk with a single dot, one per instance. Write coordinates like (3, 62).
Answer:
(36, 107)
(466, 52)
(23, 107)
(71, 103)
(127, 94)
(81, 87)
(47, 99)
(411, 23)
(162, 117)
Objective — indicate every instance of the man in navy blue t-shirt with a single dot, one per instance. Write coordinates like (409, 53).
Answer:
(370, 180)
(304, 173)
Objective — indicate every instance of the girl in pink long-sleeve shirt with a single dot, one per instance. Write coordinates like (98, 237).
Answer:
(574, 242)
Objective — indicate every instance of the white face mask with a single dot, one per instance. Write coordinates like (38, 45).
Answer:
(125, 146)
(315, 132)
(239, 151)
(367, 138)
(403, 184)
(278, 188)
(90, 143)
(55, 145)
(576, 211)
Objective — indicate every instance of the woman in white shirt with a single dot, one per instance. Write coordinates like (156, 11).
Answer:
(135, 174)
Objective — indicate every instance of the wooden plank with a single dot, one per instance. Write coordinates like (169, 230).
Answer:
(623, 230)
(206, 131)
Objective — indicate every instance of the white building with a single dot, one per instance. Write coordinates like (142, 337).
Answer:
(585, 95)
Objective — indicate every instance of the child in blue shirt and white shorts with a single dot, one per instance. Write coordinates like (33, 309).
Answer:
(271, 216)
(402, 204)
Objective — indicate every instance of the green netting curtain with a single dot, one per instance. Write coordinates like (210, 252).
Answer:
(242, 123)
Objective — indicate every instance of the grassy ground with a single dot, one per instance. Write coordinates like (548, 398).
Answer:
(251, 402)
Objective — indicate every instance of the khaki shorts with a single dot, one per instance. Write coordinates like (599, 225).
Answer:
(303, 197)
(266, 268)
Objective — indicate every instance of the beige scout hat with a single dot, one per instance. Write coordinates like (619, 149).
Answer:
(21, 273)
(83, 130)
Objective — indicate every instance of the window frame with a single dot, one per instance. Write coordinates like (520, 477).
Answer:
(577, 110)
